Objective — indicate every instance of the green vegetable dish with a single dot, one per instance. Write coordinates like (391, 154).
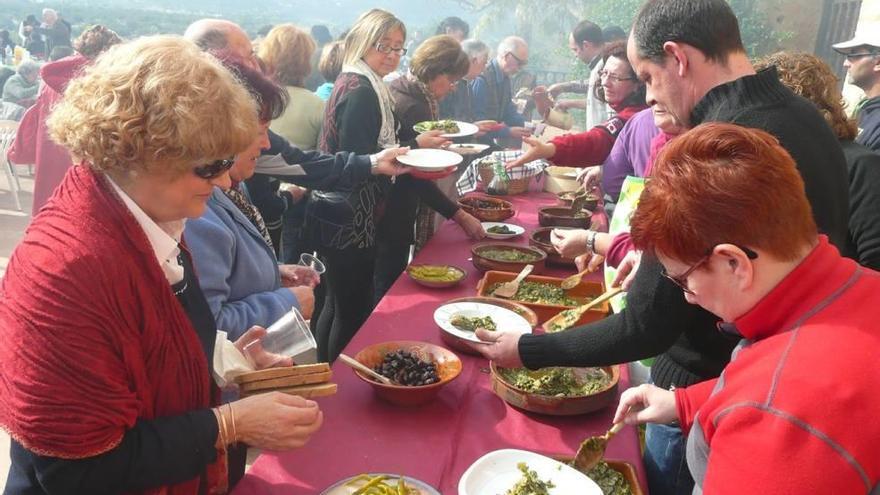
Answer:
(509, 255)
(569, 318)
(499, 229)
(529, 484)
(542, 293)
(435, 273)
(381, 485)
(447, 126)
(469, 324)
(611, 481)
(557, 382)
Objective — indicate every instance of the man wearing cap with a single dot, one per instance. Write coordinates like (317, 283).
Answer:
(863, 66)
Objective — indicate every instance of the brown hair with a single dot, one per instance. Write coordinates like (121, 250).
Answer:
(287, 51)
(95, 40)
(617, 49)
(808, 76)
(330, 64)
(439, 55)
(722, 183)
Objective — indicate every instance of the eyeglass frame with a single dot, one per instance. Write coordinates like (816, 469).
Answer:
(614, 77)
(210, 171)
(681, 280)
(520, 62)
(388, 50)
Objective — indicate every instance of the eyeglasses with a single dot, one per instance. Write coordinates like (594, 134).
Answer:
(386, 49)
(681, 280)
(214, 169)
(604, 74)
(854, 56)
(521, 62)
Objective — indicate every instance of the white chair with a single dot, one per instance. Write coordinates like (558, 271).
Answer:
(8, 129)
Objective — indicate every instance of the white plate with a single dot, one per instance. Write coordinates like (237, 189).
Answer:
(504, 319)
(464, 129)
(430, 159)
(340, 488)
(468, 149)
(517, 230)
(496, 472)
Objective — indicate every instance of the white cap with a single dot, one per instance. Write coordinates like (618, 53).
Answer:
(871, 39)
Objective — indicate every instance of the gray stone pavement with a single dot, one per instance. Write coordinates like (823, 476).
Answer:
(12, 225)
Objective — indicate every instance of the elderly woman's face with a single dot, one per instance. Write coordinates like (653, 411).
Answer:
(386, 63)
(168, 198)
(246, 161)
(441, 86)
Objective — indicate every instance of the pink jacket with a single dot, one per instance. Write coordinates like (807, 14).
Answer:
(32, 143)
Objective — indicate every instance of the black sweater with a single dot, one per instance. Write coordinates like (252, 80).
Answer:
(869, 124)
(658, 319)
(864, 204)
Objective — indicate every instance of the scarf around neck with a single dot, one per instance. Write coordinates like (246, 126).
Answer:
(388, 131)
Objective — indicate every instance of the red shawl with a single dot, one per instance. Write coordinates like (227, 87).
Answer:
(91, 335)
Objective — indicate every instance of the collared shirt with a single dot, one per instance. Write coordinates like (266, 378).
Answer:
(164, 237)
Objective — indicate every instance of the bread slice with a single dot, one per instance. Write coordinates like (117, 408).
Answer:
(284, 371)
(287, 381)
(305, 391)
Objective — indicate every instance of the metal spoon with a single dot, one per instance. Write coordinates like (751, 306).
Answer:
(592, 450)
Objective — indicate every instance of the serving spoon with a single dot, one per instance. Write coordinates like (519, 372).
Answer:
(592, 450)
(365, 369)
(571, 282)
(559, 323)
(508, 289)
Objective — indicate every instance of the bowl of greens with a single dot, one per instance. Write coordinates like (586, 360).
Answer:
(556, 391)
(506, 257)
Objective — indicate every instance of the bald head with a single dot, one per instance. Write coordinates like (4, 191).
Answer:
(220, 34)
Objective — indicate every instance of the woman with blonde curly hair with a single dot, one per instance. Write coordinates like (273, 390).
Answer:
(106, 341)
(808, 76)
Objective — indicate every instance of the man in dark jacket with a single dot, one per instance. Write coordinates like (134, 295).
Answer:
(863, 67)
(691, 57)
(492, 94)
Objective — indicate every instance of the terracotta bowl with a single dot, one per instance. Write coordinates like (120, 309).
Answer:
(540, 238)
(487, 208)
(448, 367)
(565, 199)
(437, 284)
(484, 264)
(522, 310)
(556, 406)
(626, 469)
(560, 216)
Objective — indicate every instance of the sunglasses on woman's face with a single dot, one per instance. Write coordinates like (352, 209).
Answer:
(214, 169)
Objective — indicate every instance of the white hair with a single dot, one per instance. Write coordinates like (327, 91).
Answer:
(474, 48)
(510, 45)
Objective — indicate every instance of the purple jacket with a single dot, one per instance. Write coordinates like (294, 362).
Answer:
(631, 152)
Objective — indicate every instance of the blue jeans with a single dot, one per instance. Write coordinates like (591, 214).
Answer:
(665, 463)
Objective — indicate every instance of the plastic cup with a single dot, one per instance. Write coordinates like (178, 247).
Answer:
(288, 337)
(313, 262)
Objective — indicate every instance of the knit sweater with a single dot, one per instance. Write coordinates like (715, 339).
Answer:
(795, 411)
(658, 319)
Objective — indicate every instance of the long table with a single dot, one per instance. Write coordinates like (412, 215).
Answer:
(438, 441)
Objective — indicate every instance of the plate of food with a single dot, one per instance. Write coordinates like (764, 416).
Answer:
(500, 230)
(520, 472)
(468, 149)
(430, 159)
(461, 319)
(450, 128)
(390, 483)
(436, 276)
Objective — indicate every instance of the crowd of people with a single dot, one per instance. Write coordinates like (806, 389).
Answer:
(180, 179)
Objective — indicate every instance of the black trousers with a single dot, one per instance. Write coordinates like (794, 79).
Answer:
(348, 299)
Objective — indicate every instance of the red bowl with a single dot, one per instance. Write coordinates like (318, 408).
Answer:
(448, 368)
(432, 175)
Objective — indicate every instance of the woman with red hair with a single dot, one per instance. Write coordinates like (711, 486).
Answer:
(727, 216)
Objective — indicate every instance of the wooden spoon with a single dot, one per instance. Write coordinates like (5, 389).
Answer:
(558, 322)
(592, 450)
(360, 367)
(572, 281)
(508, 289)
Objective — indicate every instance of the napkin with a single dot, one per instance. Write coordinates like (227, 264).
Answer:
(229, 362)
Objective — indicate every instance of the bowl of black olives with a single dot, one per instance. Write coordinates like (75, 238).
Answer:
(418, 370)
